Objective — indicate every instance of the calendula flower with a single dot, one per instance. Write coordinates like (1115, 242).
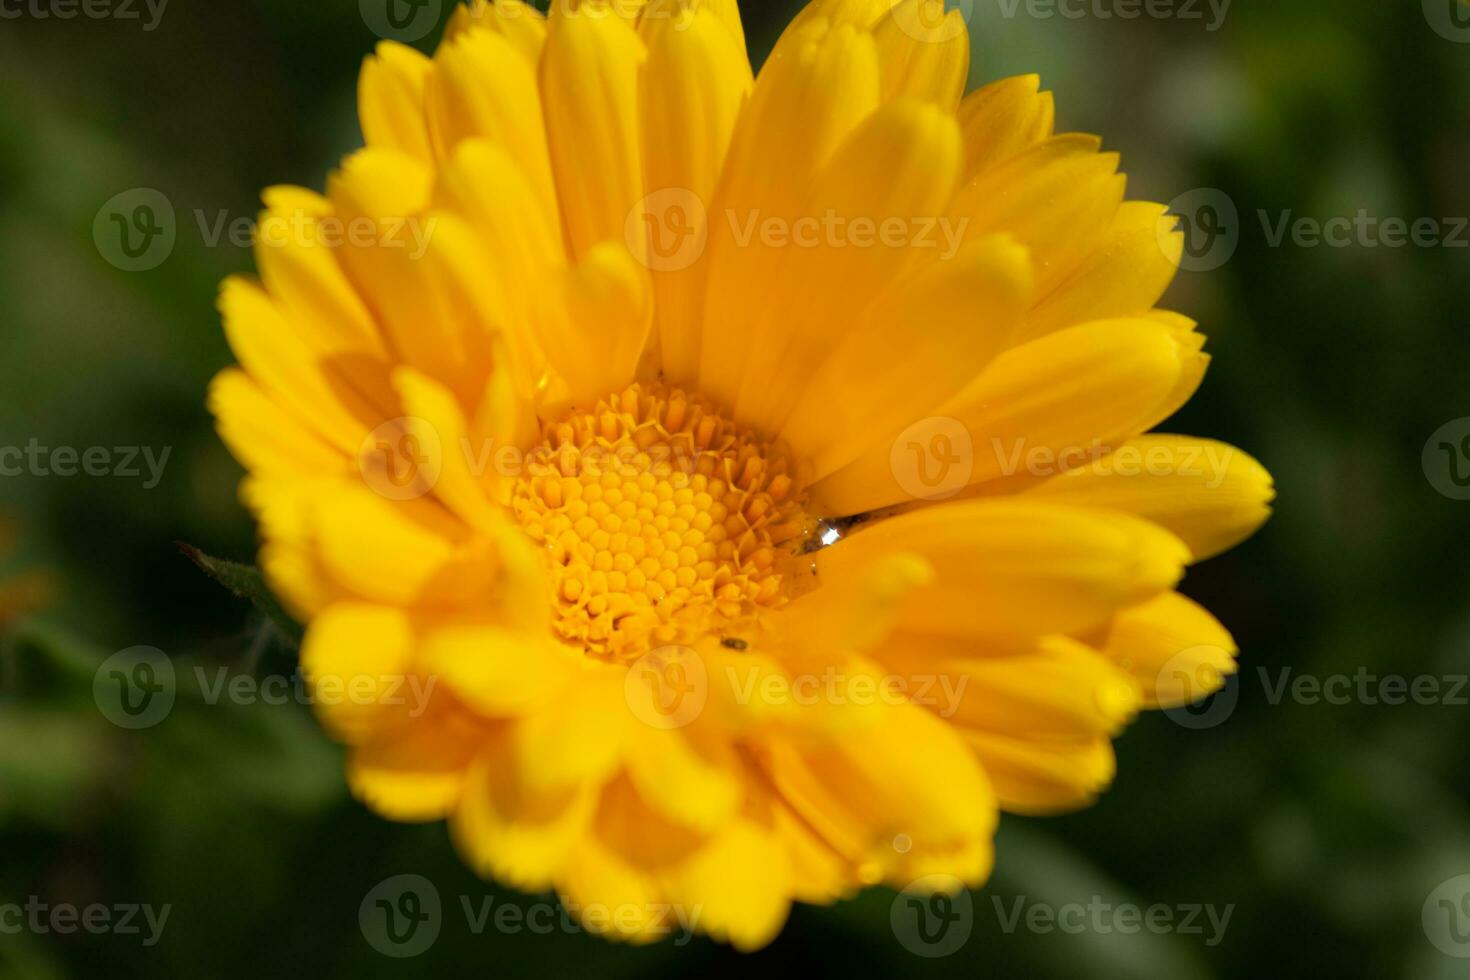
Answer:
(752, 469)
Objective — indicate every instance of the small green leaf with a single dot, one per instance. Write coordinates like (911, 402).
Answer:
(246, 582)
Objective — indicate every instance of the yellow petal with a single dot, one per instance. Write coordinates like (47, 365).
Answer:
(1037, 410)
(582, 736)
(276, 357)
(1002, 119)
(626, 11)
(403, 553)
(383, 196)
(855, 607)
(390, 100)
(481, 90)
(521, 24)
(1044, 776)
(519, 244)
(358, 658)
(1057, 689)
(815, 88)
(1058, 198)
(681, 14)
(298, 265)
(511, 833)
(738, 881)
(263, 436)
(690, 775)
(874, 213)
(1178, 652)
(437, 425)
(857, 13)
(921, 344)
(589, 80)
(693, 88)
(1014, 568)
(910, 775)
(924, 52)
(1211, 495)
(415, 773)
(496, 671)
(1125, 276)
(594, 321)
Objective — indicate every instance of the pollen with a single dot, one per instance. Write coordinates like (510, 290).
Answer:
(662, 522)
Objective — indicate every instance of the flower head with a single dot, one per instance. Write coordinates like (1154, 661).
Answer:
(754, 468)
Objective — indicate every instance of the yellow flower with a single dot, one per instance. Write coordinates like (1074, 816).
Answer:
(752, 469)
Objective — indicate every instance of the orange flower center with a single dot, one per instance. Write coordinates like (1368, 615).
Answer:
(662, 522)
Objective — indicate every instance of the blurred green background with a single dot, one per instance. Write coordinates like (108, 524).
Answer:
(1326, 827)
